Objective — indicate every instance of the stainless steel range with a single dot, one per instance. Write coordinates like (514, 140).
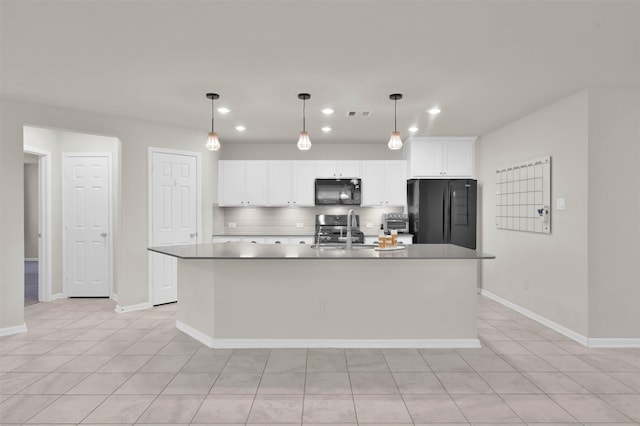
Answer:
(333, 229)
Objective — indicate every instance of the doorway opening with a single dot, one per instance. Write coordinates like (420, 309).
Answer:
(69, 254)
(37, 225)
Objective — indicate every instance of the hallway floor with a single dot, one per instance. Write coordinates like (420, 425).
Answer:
(81, 362)
(30, 282)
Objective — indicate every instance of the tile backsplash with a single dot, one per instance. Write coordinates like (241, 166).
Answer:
(285, 220)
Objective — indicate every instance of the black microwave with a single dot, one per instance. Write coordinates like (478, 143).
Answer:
(345, 191)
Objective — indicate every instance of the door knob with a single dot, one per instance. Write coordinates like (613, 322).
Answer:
(103, 234)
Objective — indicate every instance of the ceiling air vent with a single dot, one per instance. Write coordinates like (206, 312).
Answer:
(354, 113)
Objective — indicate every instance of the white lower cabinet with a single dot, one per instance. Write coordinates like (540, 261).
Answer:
(259, 239)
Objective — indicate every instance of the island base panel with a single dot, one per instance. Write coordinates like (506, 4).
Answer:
(328, 303)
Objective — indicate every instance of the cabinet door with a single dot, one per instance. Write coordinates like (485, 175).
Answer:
(325, 169)
(276, 240)
(256, 183)
(303, 176)
(279, 183)
(458, 159)
(223, 239)
(426, 159)
(405, 239)
(251, 239)
(231, 180)
(349, 169)
(373, 183)
(396, 183)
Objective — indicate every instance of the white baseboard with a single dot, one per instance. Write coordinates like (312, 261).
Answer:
(8, 331)
(131, 308)
(198, 335)
(614, 342)
(58, 296)
(583, 340)
(325, 343)
(114, 297)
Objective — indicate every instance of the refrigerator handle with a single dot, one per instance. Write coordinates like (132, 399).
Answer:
(444, 217)
(449, 214)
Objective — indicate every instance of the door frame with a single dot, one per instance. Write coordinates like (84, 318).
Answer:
(44, 222)
(156, 150)
(65, 253)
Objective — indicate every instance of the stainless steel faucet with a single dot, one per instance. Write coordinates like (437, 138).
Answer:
(350, 218)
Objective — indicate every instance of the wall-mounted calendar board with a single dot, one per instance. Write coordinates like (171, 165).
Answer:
(523, 196)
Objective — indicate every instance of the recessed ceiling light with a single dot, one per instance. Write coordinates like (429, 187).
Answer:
(326, 129)
(223, 110)
(413, 129)
(434, 111)
(241, 128)
(327, 111)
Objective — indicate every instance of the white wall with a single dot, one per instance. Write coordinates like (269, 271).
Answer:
(545, 273)
(31, 210)
(614, 213)
(584, 275)
(289, 151)
(135, 137)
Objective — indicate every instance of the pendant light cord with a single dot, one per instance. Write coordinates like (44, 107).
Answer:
(212, 115)
(304, 115)
(395, 115)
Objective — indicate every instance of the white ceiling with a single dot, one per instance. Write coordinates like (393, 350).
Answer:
(485, 63)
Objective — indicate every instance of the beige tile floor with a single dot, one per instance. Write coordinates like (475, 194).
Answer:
(81, 363)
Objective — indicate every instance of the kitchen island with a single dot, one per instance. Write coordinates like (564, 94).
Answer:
(243, 295)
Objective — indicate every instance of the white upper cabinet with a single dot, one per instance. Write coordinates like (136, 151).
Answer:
(338, 169)
(440, 157)
(279, 183)
(303, 177)
(291, 183)
(384, 183)
(396, 183)
(242, 183)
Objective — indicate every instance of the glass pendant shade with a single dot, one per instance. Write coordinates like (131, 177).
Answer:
(304, 143)
(213, 144)
(395, 142)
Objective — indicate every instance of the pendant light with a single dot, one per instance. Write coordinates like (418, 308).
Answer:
(213, 144)
(395, 142)
(304, 143)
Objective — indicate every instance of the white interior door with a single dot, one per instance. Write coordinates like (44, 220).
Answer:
(86, 210)
(174, 201)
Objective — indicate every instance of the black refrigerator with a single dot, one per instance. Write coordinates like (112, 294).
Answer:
(442, 211)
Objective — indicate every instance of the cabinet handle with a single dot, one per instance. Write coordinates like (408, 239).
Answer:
(294, 202)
